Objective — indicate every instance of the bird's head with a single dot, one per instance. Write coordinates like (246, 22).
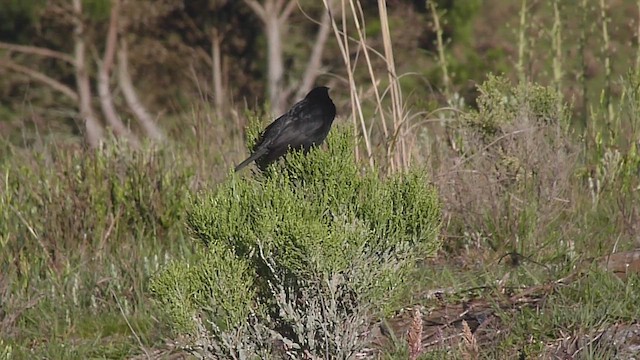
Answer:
(320, 92)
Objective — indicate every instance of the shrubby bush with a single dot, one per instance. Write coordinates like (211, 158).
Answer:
(68, 202)
(299, 260)
(514, 170)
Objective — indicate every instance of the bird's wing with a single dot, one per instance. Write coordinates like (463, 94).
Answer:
(297, 127)
(270, 134)
(300, 127)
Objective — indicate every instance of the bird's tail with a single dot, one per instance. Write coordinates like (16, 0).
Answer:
(251, 158)
(244, 163)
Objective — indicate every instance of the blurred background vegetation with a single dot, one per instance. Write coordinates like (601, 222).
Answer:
(172, 44)
(113, 113)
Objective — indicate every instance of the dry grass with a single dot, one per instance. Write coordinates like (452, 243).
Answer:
(533, 188)
(391, 113)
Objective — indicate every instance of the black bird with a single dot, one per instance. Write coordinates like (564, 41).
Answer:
(305, 125)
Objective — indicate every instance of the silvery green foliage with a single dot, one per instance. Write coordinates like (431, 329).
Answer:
(298, 261)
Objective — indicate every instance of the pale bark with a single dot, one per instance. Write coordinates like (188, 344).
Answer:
(257, 8)
(275, 64)
(38, 76)
(314, 65)
(274, 14)
(130, 95)
(93, 130)
(104, 70)
(36, 50)
(216, 71)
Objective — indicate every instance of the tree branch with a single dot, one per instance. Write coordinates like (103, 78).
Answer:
(38, 76)
(40, 51)
(130, 96)
(315, 60)
(257, 9)
(112, 36)
(94, 132)
(284, 15)
(104, 90)
(279, 4)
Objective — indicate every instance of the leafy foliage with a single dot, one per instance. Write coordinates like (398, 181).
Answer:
(517, 163)
(318, 246)
(501, 104)
(81, 232)
(76, 200)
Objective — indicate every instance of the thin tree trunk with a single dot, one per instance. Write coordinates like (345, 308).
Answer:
(104, 70)
(315, 60)
(93, 130)
(275, 64)
(274, 14)
(216, 71)
(130, 95)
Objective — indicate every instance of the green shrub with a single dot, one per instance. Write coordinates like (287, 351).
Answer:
(514, 175)
(67, 216)
(614, 147)
(501, 105)
(303, 256)
(74, 200)
(81, 232)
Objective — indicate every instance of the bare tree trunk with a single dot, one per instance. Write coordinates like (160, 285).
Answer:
(131, 97)
(216, 71)
(274, 14)
(94, 132)
(104, 70)
(315, 60)
(275, 64)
